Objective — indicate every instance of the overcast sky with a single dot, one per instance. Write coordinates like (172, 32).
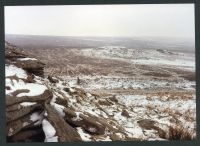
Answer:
(171, 20)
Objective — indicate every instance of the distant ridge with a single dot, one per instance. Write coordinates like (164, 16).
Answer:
(38, 41)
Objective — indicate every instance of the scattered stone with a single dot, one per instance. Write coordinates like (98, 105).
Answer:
(125, 113)
(104, 102)
(146, 124)
(86, 122)
(114, 99)
(115, 137)
(7, 88)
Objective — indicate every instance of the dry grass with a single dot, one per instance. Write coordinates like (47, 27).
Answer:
(157, 74)
(180, 133)
(172, 95)
(189, 77)
(150, 107)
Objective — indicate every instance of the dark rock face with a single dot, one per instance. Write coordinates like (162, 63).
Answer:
(28, 135)
(18, 58)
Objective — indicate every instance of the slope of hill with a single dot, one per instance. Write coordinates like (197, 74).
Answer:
(47, 108)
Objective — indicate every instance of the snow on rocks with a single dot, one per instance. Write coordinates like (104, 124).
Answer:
(33, 88)
(35, 117)
(49, 131)
(12, 70)
(59, 109)
(77, 118)
(38, 117)
(25, 59)
(84, 136)
(28, 103)
(16, 83)
(107, 138)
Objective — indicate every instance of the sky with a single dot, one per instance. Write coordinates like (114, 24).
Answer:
(167, 20)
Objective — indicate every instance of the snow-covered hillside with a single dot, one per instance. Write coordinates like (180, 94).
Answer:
(147, 106)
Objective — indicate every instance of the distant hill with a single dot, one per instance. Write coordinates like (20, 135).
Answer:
(39, 42)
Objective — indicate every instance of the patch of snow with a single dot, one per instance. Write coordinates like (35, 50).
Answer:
(58, 108)
(134, 131)
(36, 116)
(107, 138)
(34, 88)
(77, 118)
(118, 116)
(25, 59)
(52, 139)
(130, 100)
(92, 129)
(28, 103)
(158, 61)
(156, 139)
(25, 124)
(72, 90)
(72, 82)
(49, 131)
(53, 100)
(11, 70)
(45, 114)
(114, 82)
(84, 136)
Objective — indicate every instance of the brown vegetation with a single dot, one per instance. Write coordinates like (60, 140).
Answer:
(157, 74)
(180, 133)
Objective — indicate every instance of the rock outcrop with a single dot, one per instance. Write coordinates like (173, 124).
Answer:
(35, 109)
(27, 101)
(21, 59)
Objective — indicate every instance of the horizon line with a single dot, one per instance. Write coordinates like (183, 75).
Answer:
(100, 36)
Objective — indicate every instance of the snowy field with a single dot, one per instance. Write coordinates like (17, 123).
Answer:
(168, 100)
